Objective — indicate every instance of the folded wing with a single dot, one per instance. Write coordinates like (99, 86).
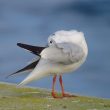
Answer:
(64, 53)
(34, 49)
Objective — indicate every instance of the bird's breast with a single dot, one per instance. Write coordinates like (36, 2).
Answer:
(61, 69)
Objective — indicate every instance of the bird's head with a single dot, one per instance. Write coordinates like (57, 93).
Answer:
(62, 36)
(72, 37)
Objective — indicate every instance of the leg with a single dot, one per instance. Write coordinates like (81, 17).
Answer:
(53, 86)
(62, 88)
(61, 84)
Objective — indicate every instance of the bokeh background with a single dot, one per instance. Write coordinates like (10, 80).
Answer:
(32, 21)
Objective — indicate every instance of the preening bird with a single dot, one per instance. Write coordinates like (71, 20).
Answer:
(66, 52)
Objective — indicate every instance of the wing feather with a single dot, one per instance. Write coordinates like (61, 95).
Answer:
(34, 49)
(65, 53)
(27, 68)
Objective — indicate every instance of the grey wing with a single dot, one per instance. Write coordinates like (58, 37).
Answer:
(64, 53)
(74, 51)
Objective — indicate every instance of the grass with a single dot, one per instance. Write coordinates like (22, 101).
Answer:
(12, 98)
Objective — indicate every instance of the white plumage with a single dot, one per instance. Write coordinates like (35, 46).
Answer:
(66, 52)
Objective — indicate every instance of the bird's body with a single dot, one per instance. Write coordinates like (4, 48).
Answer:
(66, 51)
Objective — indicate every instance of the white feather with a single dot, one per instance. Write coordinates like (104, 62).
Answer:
(67, 51)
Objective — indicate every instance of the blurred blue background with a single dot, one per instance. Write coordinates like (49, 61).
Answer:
(32, 21)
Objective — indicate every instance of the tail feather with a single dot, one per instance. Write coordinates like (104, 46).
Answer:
(39, 72)
(27, 68)
(32, 76)
(34, 49)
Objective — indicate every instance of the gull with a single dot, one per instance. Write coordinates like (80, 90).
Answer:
(66, 52)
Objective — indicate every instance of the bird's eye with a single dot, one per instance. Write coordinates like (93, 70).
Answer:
(51, 42)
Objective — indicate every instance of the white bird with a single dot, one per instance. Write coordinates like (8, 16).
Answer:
(66, 52)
